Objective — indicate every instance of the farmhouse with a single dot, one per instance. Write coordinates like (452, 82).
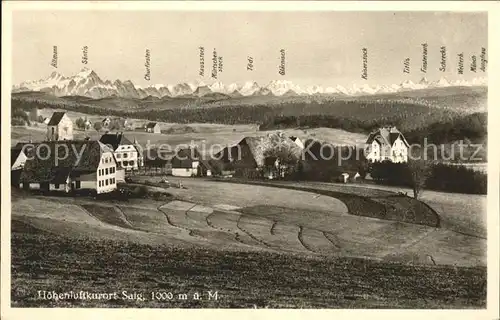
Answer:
(87, 124)
(158, 159)
(297, 141)
(70, 166)
(125, 152)
(387, 144)
(17, 160)
(188, 162)
(153, 127)
(252, 153)
(60, 127)
(106, 122)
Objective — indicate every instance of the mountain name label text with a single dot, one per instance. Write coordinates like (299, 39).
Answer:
(406, 65)
(460, 68)
(147, 75)
(424, 58)
(85, 55)
(214, 64)
(364, 70)
(54, 57)
(250, 64)
(201, 73)
(484, 62)
(281, 68)
(442, 68)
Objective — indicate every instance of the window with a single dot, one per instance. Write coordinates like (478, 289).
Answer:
(99, 183)
(56, 186)
(112, 180)
(131, 163)
(107, 182)
(125, 155)
(118, 155)
(106, 170)
(125, 163)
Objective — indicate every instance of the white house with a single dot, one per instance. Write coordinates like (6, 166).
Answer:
(17, 158)
(188, 163)
(125, 152)
(386, 144)
(297, 141)
(153, 127)
(106, 122)
(91, 167)
(87, 125)
(60, 127)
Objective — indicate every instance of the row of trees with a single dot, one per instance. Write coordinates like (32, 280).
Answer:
(420, 174)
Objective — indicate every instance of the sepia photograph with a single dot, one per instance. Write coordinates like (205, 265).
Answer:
(246, 159)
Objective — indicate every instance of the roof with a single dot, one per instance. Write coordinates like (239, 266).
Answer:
(206, 164)
(14, 154)
(56, 118)
(114, 140)
(259, 146)
(270, 161)
(81, 156)
(184, 158)
(386, 136)
(151, 124)
(60, 175)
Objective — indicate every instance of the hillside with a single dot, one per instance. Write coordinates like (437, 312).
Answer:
(436, 112)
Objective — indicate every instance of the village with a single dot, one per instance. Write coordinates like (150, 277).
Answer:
(100, 165)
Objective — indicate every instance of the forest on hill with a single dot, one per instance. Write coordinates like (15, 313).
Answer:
(415, 120)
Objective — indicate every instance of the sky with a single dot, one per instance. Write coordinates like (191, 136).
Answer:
(321, 48)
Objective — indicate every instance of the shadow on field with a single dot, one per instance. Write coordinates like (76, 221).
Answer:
(47, 262)
(392, 207)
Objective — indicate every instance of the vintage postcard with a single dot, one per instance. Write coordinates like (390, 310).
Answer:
(249, 156)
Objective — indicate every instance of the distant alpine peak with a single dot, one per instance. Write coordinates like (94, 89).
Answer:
(85, 72)
(423, 81)
(87, 83)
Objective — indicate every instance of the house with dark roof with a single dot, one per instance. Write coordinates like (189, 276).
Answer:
(106, 122)
(59, 127)
(17, 160)
(69, 166)
(386, 144)
(189, 162)
(297, 141)
(251, 152)
(126, 152)
(153, 127)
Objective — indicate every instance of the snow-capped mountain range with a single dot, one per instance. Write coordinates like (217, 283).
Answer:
(88, 83)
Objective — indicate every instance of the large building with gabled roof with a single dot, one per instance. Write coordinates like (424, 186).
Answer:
(69, 166)
(126, 152)
(387, 144)
(59, 127)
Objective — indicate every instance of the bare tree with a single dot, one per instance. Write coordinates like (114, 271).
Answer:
(420, 170)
